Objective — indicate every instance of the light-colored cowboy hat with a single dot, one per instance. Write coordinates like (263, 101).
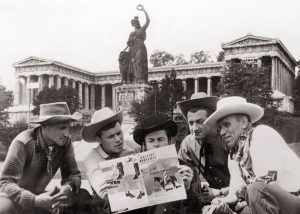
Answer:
(55, 113)
(234, 105)
(199, 99)
(151, 124)
(100, 119)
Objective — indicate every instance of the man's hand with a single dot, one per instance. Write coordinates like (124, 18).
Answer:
(44, 200)
(103, 190)
(207, 193)
(187, 175)
(60, 199)
(221, 205)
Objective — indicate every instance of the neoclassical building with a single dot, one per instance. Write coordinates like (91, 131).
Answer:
(97, 90)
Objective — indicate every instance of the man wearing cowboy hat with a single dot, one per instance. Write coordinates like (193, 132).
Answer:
(202, 147)
(33, 158)
(104, 129)
(264, 171)
(157, 131)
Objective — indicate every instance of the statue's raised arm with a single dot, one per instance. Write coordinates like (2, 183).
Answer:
(141, 8)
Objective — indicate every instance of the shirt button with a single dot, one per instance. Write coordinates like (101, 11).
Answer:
(165, 210)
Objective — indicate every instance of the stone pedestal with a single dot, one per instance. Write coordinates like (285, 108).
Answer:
(127, 93)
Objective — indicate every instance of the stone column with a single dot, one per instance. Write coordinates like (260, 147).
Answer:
(113, 96)
(58, 82)
(66, 82)
(17, 92)
(259, 62)
(41, 82)
(209, 89)
(73, 83)
(51, 81)
(92, 97)
(80, 93)
(24, 91)
(28, 92)
(103, 96)
(273, 75)
(196, 85)
(86, 96)
(184, 85)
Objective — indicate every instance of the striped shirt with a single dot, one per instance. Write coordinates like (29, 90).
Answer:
(27, 170)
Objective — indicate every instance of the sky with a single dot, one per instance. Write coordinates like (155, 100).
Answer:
(89, 34)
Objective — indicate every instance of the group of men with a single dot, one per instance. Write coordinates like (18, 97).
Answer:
(227, 165)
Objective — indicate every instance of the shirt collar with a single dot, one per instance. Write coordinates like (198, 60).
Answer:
(101, 152)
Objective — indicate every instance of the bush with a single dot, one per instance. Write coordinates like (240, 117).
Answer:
(9, 133)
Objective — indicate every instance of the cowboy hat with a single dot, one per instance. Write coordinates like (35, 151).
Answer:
(151, 124)
(234, 105)
(100, 119)
(55, 113)
(199, 99)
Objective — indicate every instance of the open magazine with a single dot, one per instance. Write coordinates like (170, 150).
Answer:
(143, 179)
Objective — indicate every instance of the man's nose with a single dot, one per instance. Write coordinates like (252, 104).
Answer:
(222, 131)
(67, 133)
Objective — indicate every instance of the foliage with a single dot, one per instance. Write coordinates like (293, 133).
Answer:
(221, 56)
(297, 94)
(252, 83)
(162, 99)
(161, 58)
(200, 57)
(8, 133)
(180, 60)
(63, 94)
(6, 100)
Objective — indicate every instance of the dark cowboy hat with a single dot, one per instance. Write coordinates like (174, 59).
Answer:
(199, 99)
(135, 19)
(151, 124)
(100, 119)
(55, 113)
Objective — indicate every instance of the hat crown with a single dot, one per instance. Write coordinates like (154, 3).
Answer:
(198, 95)
(54, 109)
(229, 101)
(102, 115)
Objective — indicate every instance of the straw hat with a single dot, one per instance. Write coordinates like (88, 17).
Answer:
(100, 119)
(234, 105)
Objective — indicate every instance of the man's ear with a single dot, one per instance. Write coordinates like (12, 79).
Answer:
(244, 121)
(98, 139)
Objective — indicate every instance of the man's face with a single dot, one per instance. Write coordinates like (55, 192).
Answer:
(111, 140)
(231, 129)
(56, 134)
(195, 121)
(156, 139)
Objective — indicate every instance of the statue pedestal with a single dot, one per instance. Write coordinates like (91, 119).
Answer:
(127, 93)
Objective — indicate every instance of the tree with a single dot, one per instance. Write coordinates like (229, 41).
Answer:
(161, 58)
(162, 99)
(64, 94)
(180, 60)
(6, 100)
(199, 57)
(297, 94)
(221, 56)
(254, 84)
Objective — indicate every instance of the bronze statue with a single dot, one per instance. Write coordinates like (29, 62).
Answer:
(137, 70)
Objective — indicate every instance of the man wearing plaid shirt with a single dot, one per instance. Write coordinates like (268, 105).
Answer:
(33, 158)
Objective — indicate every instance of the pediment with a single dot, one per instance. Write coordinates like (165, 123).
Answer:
(247, 40)
(31, 61)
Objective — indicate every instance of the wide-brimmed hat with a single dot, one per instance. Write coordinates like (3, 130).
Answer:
(199, 99)
(100, 119)
(55, 113)
(151, 124)
(234, 105)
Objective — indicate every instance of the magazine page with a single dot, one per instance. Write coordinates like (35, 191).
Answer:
(143, 179)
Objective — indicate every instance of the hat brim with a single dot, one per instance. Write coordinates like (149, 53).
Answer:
(58, 118)
(205, 102)
(255, 113)
(140, 133)
(89, 132)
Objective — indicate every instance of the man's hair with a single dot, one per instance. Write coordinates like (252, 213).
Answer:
(197, 108)
(239, 117)
(106, 127)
